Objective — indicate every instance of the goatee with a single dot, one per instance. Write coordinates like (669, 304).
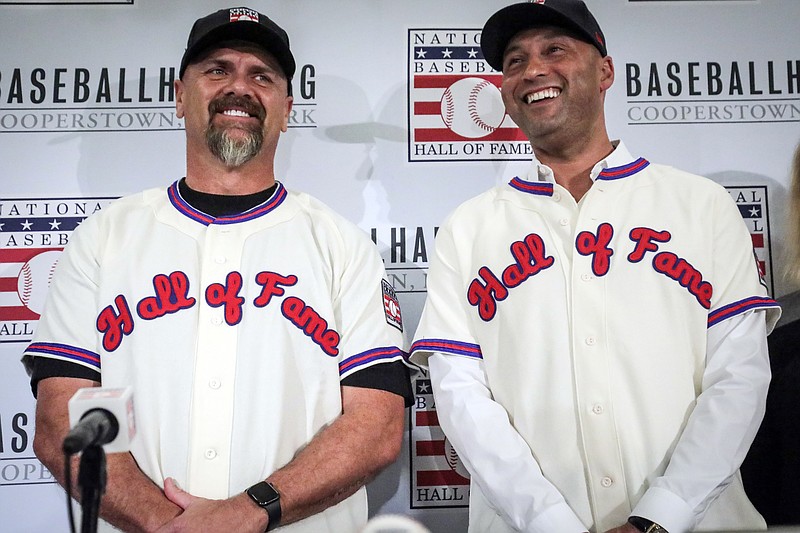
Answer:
(232, 151)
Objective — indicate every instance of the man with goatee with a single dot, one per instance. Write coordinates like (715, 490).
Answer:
(256, 327)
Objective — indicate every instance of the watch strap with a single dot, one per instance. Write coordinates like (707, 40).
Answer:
(266, 496)
(645, 526)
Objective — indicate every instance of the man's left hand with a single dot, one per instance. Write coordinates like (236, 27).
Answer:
(238, 513)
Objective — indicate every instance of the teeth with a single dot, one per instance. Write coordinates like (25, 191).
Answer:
(541, 95)
(235, 113)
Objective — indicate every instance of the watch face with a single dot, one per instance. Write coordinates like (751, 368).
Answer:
(263, 493)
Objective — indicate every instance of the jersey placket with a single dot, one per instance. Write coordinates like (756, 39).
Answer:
(215, 367)
(592, 359)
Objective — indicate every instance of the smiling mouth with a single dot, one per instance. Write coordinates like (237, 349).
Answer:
(237, 107)
(544, 94)
(236, 113)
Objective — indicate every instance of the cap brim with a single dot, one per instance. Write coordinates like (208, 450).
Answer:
(509, 21)
(244, 31)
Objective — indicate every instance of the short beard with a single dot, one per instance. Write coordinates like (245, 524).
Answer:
(230, 151)
(233, 152)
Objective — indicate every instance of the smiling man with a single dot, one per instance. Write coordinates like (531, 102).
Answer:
(251, 322)
(598, 349)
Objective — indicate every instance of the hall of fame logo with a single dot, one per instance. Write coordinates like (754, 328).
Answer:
(33, 233)
(752, 204)
(438, 477)
(455, 109)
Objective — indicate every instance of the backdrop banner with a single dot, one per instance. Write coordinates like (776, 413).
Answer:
(397, 119)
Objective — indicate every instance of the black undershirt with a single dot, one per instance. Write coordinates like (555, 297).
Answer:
(392, 377)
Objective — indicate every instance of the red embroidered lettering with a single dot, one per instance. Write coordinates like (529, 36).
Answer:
(227, 295)
(171, 296)
(115, 325)
(644, 237)
(684, 273)
(597, 246)
(486, 295)
(313, 325)
(530, 259)
(271, 284)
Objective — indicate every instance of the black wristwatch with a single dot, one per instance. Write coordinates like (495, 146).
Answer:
(645, 526)
(266, 497)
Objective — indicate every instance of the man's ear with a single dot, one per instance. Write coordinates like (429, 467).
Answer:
(179, 98)
(607, 73)
(289, 101)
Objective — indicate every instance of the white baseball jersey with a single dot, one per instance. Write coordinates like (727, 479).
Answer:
(591, 321)
(234, 332)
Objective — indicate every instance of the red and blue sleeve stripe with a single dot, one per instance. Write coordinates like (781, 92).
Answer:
(737, 308)
(65, 352)
(447, 346)
(386, 354)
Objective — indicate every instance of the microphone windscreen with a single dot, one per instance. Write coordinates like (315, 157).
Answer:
(118, 401)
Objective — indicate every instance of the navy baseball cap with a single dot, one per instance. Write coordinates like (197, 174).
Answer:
(506, 23)
(239, 24)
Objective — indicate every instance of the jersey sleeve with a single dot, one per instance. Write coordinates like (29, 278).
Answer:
(393, 376)
(66, 333)
(738, 284)
(367, 309)
(444, 326)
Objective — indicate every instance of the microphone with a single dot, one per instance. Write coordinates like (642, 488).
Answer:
(101, 417)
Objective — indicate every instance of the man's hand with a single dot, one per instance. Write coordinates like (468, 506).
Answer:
(239, 513)
(129, 490)
(624, 528)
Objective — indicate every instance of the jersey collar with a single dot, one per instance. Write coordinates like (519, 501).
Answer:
(617, 165)
(260, 210)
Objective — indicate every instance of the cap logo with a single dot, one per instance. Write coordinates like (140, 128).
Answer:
(537, 1)
(242, 14)
(599, 38)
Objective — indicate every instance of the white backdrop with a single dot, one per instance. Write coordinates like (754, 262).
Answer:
(86, 114)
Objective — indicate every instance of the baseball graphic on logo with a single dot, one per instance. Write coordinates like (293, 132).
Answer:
(472, 107)
(34, 279)
(454, 460)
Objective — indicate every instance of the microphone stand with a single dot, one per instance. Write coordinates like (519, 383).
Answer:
(92, 482)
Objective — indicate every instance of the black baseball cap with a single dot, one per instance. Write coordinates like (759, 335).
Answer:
(506, 23)
(239, 24)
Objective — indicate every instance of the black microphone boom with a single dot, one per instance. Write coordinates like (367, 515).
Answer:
(96, 427)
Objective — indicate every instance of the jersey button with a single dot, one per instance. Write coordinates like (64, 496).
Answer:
(557, 196)
(216, 321)
(564, 221)
(220, 259)
(597, 409)
(210, 454)
(591, 341)
(214, 383)
(606, 482)
(586, 277)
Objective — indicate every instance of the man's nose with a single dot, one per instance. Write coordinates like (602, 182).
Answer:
(239, 84)
(534, 67)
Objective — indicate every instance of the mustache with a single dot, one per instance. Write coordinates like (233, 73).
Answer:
(250, 107)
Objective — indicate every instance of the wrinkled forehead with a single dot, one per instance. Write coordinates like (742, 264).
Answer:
(243, 47)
